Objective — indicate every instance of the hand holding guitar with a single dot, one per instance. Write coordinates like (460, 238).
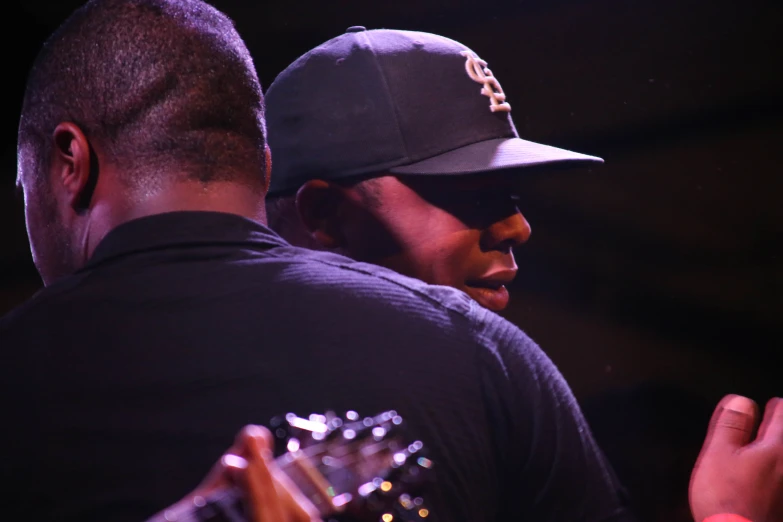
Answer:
(737, 473)
(247, 467)
(355, 468)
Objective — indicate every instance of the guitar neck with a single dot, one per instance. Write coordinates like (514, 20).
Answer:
(357, 465)
(222, 505)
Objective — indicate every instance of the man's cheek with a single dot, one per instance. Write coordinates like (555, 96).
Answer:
(33, 225)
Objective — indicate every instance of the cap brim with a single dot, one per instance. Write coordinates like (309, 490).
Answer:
(495, 154)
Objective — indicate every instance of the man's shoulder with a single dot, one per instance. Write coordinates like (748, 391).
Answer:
(307, 280)
(372, 282)
(367, 282)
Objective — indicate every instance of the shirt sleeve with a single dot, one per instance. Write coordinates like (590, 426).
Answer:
(553, 470)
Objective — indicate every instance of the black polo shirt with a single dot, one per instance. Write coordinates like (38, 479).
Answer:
(125, 382)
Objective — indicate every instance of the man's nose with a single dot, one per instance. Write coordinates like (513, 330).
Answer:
(506, 233)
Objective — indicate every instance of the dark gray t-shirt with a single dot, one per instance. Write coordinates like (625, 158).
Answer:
(125, 382)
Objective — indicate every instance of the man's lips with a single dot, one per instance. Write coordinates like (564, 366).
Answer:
(493, 280)
(490, 290)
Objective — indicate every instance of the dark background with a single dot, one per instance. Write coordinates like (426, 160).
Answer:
(654, 282)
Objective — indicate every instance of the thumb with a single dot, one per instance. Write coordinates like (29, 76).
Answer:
(732, 424)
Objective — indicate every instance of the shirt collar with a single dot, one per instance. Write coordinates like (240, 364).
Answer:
(170, 229)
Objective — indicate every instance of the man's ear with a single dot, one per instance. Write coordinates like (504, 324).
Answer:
(74, 165)
(317, 203)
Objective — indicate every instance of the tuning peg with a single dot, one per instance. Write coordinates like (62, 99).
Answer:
(399, 508)
(411, 508)
(424, 462)
(333, 421)
(415, 447)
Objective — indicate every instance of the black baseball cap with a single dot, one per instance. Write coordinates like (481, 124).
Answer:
(403, 102)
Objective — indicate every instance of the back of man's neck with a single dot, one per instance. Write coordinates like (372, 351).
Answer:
(216, 196)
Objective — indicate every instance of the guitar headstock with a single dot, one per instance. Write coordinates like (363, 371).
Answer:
(354, 468)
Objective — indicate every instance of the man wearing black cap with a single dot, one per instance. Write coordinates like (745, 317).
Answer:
(398, 148)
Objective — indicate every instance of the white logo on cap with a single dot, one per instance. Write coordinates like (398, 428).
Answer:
(478, 72)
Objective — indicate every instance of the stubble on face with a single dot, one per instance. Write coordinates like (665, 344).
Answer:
(431, 230)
